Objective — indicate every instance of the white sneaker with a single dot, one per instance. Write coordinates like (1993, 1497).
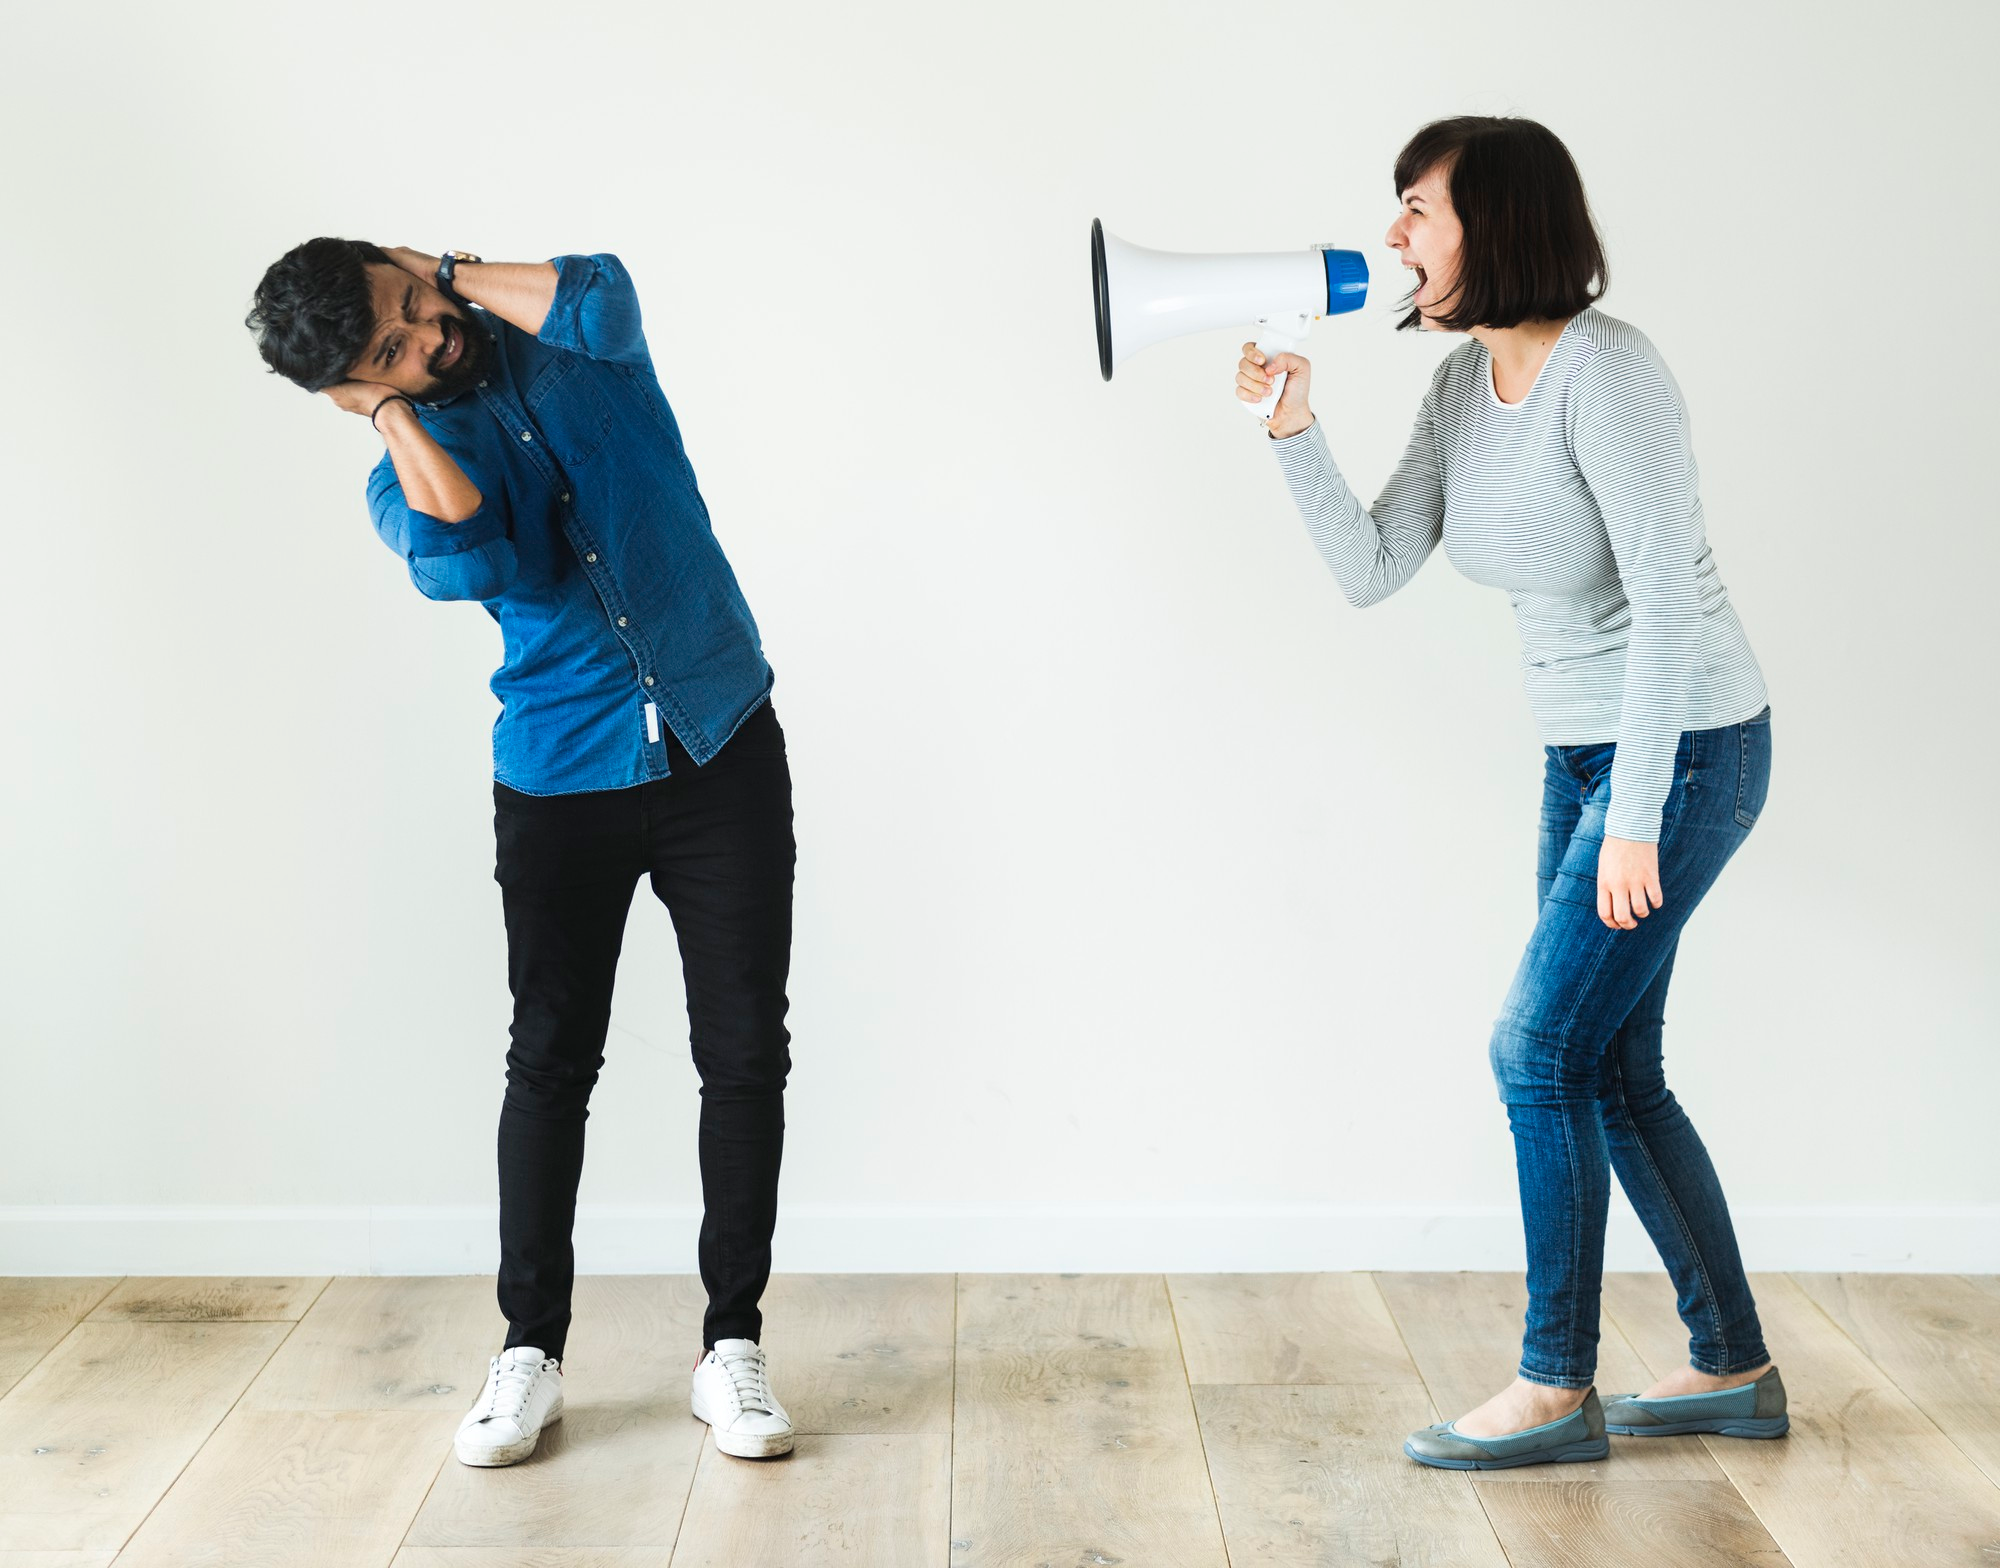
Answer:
(523, 1394)
(732, 1393)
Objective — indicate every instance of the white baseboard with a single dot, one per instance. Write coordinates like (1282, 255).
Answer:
(946, 1238)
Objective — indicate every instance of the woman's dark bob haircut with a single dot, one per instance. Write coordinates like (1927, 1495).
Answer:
(1530, 251)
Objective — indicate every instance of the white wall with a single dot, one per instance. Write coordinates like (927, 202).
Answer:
(1153, 904)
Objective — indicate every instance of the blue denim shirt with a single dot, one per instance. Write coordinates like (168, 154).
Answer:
(591, 547)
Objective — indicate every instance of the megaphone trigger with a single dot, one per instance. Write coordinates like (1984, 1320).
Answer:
(1273, 338)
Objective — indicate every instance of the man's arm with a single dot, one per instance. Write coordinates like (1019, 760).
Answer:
(585, 304)
(426, 507)
(518, 292)
(432, 480)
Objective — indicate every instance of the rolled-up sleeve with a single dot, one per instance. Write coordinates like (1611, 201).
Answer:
(472, 559)
(595, 311)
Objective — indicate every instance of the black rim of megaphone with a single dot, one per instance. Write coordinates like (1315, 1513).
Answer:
(1100, 287)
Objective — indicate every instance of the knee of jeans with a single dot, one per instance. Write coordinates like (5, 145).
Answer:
(550, 1088)
(1532, 1064)
(739, 1073)
(1519, 1062)
(1638, 1099)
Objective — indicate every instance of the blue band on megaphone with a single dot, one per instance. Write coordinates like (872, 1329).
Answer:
(1346, 281)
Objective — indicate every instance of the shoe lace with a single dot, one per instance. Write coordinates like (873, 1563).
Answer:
(748, 1380)
(507, 1390)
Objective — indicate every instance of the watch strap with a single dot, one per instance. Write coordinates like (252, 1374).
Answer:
(447, 270)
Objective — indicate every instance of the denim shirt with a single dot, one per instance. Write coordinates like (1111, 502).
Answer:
(619, 615)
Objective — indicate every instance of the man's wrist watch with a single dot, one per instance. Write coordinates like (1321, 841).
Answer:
(447, 268)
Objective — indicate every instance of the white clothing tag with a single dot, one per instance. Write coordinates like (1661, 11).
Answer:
(652, 725)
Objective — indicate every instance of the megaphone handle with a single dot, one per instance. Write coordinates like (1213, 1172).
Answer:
(1269, 344)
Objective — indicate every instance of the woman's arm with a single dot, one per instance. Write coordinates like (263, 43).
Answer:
(1628, 434)
(1371, 552)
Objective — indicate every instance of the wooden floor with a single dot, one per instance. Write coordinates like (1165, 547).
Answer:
(982, 1421)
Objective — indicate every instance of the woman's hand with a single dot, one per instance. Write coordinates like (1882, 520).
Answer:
(1628, 875)
(1253, 385)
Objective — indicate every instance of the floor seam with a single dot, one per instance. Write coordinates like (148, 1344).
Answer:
(75, 1324)
(1375, 1284)
(209, 1436)
(1194, 1410)
(1708, 1444)
(951, 1438)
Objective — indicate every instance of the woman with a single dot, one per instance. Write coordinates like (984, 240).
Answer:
(1552, 457)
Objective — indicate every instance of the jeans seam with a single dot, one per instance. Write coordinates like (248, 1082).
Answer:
(1569, 1141)
(1742, 773)
(1562, 1050)
(1701, 1266)
(1576, 1231)
(1552, 1382)
(1680, 1219)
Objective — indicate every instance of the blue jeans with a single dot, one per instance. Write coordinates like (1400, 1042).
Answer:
(1576, 1053)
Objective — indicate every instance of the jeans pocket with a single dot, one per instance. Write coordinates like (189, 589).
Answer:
(1753, 778)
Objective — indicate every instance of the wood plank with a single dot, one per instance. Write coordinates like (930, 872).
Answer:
(56, 1559)
(615, 1470)
(1464, 1331)
(524, 1557)
(1076, 1440)
(387, 1344)
(1316, 1474)
(1938, 1338)
(1664, 1524)
(35, 1313)
(862, 1352)
(1287, 1328)
(296, 1489)
(1865, 1478)
(200, 1300)
(871, 1500)
(97, 1431)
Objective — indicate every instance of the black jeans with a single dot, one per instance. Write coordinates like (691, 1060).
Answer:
(717, 844)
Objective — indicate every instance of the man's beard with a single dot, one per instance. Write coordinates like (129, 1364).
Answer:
(463, 371)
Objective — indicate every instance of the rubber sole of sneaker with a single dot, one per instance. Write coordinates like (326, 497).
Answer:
(1575, 1454)
(507, 1453)
(740, 1445)
(1723, 1426)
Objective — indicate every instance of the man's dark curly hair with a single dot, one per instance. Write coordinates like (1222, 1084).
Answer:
(313, 313)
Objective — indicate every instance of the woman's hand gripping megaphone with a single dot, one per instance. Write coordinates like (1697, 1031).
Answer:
(1280, 379)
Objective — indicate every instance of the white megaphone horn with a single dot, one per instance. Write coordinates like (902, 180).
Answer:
(1147, 296)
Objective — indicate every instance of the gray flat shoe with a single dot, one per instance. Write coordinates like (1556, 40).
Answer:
(1751, 1410)
(1575, 1439)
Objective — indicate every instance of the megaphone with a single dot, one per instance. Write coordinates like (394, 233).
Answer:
(1147, 296)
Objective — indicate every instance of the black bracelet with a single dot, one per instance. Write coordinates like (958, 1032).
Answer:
(393, 397)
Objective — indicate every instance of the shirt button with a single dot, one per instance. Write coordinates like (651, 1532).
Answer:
(649, 680)
(592, 557)
(565, 495)
(526, 437)
(621, 620)
(482, 383)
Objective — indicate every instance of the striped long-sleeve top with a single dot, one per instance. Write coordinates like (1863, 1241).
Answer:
(1582, 501)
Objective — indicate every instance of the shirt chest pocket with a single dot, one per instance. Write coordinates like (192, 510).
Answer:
(574, 417)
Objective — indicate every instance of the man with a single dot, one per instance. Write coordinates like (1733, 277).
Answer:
(533, 464)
